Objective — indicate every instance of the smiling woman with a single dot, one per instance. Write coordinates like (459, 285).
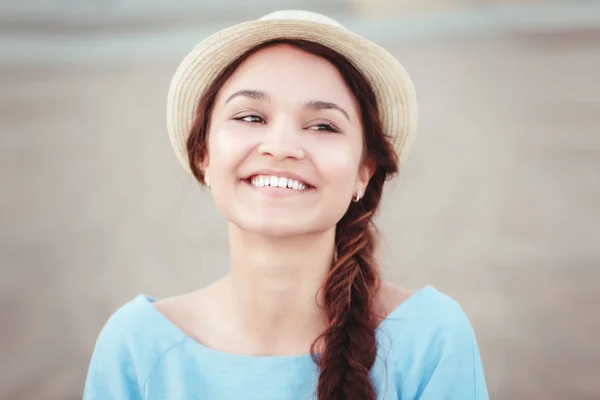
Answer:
(294, 124)
(300, 121)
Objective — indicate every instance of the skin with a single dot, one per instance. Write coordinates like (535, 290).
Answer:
(289, 113)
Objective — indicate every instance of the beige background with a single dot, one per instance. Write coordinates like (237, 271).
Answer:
(387, 7)
(497, 206)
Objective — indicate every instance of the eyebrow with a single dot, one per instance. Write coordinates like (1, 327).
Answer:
(253, 94)
(312, 104)
(325, 105)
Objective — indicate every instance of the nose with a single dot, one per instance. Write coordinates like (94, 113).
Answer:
(282, 142)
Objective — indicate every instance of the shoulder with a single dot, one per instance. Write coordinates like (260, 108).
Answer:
(138, 334)
(429, 323)
(426, 310)
(433, 345)
(431, 320)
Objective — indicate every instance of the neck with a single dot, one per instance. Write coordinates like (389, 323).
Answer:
(274, 284)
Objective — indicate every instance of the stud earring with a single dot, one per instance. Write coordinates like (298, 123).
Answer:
(207, 180)
(358, 195)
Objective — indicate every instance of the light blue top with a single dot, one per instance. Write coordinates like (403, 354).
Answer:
(426, 350)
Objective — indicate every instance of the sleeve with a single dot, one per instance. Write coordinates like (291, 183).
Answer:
(455, 372)
(112, 373)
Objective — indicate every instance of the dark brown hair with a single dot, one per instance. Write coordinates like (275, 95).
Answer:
(346, 350)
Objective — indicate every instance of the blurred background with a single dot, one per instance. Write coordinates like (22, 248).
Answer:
(498, 206)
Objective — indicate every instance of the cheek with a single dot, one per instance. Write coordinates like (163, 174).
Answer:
(339, 167)
(226, 150)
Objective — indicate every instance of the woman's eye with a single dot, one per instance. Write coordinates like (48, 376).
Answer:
(252, 119)
(324, 128)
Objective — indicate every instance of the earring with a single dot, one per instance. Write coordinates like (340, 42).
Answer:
(207, 180)
(358, 195)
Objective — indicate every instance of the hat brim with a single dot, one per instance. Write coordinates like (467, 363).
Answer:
(390, 82)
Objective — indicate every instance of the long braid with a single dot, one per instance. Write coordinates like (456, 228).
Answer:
(349, 343)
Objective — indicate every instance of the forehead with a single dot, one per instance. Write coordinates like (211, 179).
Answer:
(288, 73)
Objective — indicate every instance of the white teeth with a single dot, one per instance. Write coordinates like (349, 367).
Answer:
(275, 181)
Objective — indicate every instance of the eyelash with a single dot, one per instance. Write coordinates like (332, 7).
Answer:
(242, 119)
(327, 127)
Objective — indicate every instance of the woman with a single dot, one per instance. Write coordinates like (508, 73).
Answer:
(293, 123)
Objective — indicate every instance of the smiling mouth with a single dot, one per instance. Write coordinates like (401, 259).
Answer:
(278, 182)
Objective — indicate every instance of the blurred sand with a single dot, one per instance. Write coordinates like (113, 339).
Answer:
(498, 207)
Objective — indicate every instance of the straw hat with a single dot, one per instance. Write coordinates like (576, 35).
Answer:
(390, 82)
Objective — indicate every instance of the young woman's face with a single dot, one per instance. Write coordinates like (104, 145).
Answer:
(285, 144)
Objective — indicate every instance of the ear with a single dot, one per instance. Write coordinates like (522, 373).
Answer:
(205, 172)
(205, 162)
(366, 171)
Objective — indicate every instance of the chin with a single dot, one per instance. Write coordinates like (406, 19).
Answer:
(282, 223)
(283, 229)
(280, 226)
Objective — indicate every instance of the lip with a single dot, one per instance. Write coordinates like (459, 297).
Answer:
(276, 192)
(279, 174)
